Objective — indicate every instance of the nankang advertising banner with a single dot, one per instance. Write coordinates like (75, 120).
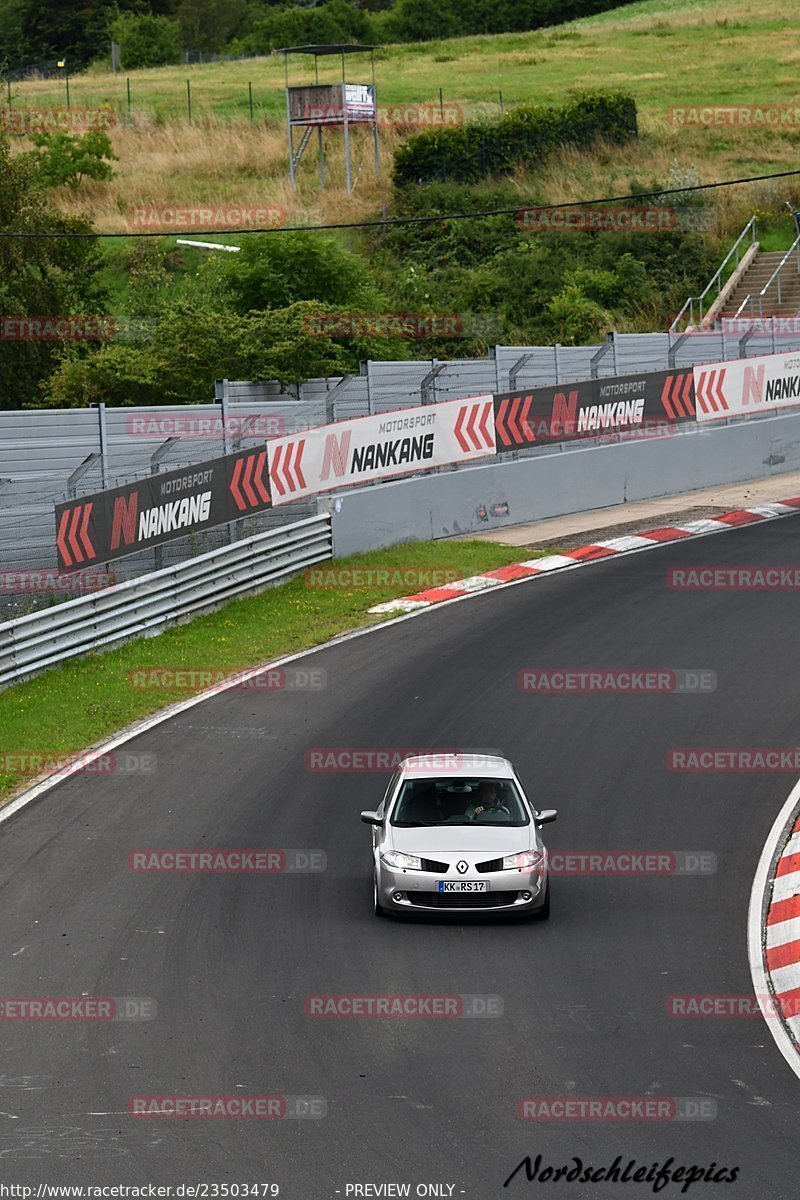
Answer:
(112, 524)
(650, 402)
(379, 447)
(744, 387)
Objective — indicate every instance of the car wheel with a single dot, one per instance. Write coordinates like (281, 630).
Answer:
(543, 914)
(376, 908)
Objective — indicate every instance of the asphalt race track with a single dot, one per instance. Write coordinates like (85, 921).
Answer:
(230, 959)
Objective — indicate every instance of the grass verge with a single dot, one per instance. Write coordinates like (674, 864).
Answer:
(67, 709)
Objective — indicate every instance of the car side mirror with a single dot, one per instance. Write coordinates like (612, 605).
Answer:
(546, 816)
(371, 818)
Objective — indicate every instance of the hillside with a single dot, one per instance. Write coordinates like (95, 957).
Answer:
(653, 49)
(191, 318)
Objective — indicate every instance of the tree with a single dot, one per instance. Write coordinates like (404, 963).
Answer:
(210, 24)
(191, 346)
(39, 277)
(330, 22)
(50, 29)
(146, 40)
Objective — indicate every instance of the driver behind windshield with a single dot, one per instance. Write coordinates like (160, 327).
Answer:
(487, 800)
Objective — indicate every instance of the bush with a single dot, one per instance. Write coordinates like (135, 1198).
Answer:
(146, 41)
(575, 319)
(63, 159)
(522, 137)
(275, 271)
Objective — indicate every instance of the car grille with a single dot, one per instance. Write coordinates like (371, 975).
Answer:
(461, 899)
(431, 864)
(492, 864)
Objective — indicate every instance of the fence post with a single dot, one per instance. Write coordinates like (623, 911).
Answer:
(78, 474)
(595, 360)
(556, 360)
(155, 460)
(744, 340)
(330, 398)
(674, 347)
(364, 369)
(514, 370)
(103, 441)
(221, 397)
(428, 385)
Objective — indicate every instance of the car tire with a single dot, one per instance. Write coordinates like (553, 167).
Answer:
(543, 913)
(376, 908)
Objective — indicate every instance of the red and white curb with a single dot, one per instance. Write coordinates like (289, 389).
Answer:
(773, 930)
(627, 544)
(782, 937)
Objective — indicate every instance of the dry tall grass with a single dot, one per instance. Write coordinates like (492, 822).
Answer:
(229, 165)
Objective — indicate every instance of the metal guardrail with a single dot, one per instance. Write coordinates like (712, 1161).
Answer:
(147, 605)
(775, 277)
(750, 228)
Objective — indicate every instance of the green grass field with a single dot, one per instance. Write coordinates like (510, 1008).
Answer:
(665, 52)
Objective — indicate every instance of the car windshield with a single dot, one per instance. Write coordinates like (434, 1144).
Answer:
(459, 801)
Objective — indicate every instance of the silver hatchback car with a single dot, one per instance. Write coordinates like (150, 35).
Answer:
(456, 833)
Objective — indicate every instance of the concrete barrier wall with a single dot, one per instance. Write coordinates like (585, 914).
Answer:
(425, 508)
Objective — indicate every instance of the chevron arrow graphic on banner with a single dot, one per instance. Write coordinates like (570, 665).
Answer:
(248, 478)
(72, 538)
(511, 422)
(480, 438)
(688, 388)
(676, 395)
(261, 487)
(709, 394)
(286, 471)
(61, 539)
(250, 462)
(238, 498)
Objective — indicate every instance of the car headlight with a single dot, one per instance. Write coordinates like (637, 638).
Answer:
(401, 862)
(527, 860)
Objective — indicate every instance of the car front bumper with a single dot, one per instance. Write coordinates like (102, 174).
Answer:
(417, 891)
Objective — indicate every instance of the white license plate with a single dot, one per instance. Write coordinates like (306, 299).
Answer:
(463, 885)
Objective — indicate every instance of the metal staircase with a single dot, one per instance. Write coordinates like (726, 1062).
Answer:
(768, 286)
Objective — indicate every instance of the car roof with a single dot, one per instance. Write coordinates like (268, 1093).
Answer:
(456, 764)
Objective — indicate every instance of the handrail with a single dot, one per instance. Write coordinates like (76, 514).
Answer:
(749, 298)
(716, 278)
